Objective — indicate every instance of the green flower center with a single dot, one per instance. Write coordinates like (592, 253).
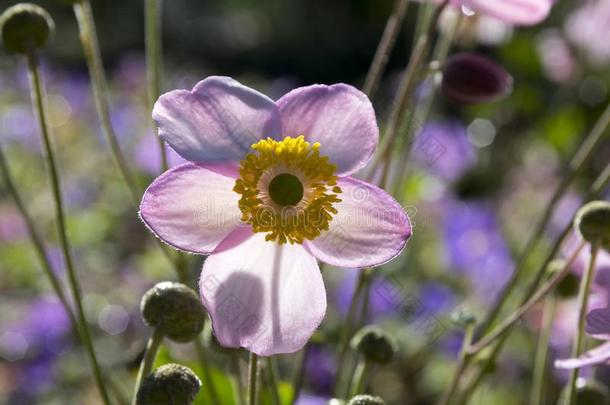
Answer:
(286, 189)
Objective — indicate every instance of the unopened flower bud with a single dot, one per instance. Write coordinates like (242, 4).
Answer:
(376, 345)
(463, 318)
(588, 391)
(469, 78)
(593, 223)
(175, 310)
(569, 285)
(169, 384)
(477, 183)
(25, 28)
(366, 400)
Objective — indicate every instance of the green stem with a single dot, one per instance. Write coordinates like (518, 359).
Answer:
(36, 239)
(272, 381)
(239, 386)
(205, 368)
(388, 40)
(576, 164)
(346, 332)
(299, 374)
(152, 18)
(148, 361)
(88, 36)
(583, 303)
(460, 367)
(510, 320)
(405, 91)
(252, 379)
(542, 350)
(358, 382)
(38, 100)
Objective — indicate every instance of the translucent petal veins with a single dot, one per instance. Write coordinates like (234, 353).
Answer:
(291, 223)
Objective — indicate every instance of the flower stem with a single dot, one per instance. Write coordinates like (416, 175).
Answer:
(576, 164)
(460, 367)
(583, 303)
(38, 97)
(239, 386)
(542, 350)
(388, 40)
(88, 36)
(299, 374)
(346, 332)
(205, 369)
(36, 239)
(148, 361)
(516, 315)
(152, 18)
(405, 91)
(252, 379)
(271, 379)
(594, 192)
(358, 383)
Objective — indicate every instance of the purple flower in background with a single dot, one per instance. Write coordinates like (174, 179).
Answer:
(381, 303)
(12, 227)
(443, 149)
(588, 28)
(475, 246)
(267, 193)
(147, 156)
(320, 368)
(305, 399)
(598, 326)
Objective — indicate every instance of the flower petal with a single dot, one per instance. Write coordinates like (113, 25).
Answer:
(192, 207)
(339, 117)
(520, 12)
(369, 229)
(266, 297)
(217, 121)
(598, 355)
(598, 323)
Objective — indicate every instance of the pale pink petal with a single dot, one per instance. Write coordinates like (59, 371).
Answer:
(598, 323)
(192, 207)
(266, 297)
(520, 12)
(369, 229)
(217, 121)
(599, 355)
(339, 117)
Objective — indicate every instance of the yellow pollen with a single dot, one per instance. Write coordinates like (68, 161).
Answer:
(292, 223)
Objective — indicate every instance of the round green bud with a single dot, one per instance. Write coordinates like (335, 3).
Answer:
(175, 310)
(463, 317)
(593, 223)
(588, 391)
(366, 400)
(376, 345)
(169, 384)
(25, 28)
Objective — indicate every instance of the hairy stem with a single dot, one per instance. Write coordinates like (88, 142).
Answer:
(583, 303)
(154, 63)
(38, 96)
(88, 36)
(388, 40)
(542, 350)
(253, 380)
(460, 367)
(154, 343)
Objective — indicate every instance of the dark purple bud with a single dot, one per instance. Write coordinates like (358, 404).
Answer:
(469, 78)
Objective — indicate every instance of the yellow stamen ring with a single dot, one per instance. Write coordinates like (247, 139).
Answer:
(287, 190)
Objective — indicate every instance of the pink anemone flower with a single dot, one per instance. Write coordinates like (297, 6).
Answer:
(516, 12)
(268, 192)
(598, 326)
